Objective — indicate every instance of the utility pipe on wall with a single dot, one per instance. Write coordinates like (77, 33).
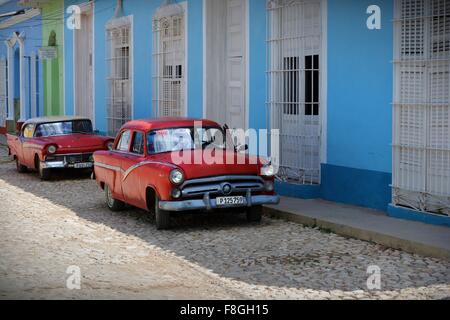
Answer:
(119, 9)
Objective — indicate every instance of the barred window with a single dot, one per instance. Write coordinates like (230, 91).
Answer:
(421, 137)
(293, 82)
(119, 77)
(168, 62)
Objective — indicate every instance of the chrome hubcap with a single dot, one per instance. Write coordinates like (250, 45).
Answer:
(109, 197)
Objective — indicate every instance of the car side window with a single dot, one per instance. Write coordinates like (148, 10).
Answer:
(28, 131)
(124, 141)
(138, 143)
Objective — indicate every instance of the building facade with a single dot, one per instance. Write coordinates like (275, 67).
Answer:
(359, 90)
(20, 70)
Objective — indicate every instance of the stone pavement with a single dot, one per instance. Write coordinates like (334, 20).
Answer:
(366, 224)
(45, 227)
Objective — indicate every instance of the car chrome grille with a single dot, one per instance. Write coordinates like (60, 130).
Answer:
(215, 186)
(74, 158)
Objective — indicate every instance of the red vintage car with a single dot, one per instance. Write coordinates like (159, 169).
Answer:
(48, 143)
(144, 170)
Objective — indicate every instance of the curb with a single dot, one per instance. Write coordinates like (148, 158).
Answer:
(361, 234)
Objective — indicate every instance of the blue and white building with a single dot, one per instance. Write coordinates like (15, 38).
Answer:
(358, 89)
(20, 69)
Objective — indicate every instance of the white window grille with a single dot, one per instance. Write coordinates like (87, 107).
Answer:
(293, 84)
(119, 73)
(421, 137)
(169, 62)
(3, 92)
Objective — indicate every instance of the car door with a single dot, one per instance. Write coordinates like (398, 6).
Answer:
(27, 145)
(131, 181)
(115, 159)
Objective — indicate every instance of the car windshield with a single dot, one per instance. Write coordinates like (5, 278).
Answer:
(64, 128)
(178, 139)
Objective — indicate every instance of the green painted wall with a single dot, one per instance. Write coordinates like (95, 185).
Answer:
(52, 35)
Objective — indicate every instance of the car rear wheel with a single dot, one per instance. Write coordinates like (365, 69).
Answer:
(162, 217)
(44, 173)
(20, 168)
(113, 204)
(254, 214)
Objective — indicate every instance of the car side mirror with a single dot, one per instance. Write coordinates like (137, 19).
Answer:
(97, 131)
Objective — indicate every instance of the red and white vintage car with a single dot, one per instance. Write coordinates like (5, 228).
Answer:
(154, 165)
(50, 143)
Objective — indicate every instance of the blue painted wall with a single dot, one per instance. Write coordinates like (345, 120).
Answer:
(257, 64)
(33, 41)
(359, 121)
(142, 12)
(195, 58)
(359, 76)
(360, 83)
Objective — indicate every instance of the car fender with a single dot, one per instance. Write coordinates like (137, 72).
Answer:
(150, 173)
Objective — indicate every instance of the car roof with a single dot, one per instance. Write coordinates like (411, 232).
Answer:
(41, 120)
(162, 123)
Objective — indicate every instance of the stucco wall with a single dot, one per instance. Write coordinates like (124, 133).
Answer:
(359, 121)
(142, 12)
(33, 39)
(53, 20)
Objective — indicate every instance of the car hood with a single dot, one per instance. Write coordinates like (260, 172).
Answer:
(77, 142)
(200, 163)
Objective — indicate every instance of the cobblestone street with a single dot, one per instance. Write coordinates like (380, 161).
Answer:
(45, 227)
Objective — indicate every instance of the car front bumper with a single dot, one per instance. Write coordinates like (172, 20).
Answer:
(66, 165)
(210, 204)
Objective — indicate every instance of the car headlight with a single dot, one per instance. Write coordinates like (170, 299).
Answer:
(110, 145)
(268, 170)
(176, 176)
(51, 149)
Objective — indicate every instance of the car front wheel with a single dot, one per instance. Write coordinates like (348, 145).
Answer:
(162, 217)
(44, 174)
(113, 204)
(254, 214)
(20, 168)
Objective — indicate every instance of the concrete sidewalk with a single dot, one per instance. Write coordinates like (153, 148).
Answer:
(366, 224)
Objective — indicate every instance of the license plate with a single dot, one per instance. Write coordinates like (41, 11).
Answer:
(83, 165)
(229, 201)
